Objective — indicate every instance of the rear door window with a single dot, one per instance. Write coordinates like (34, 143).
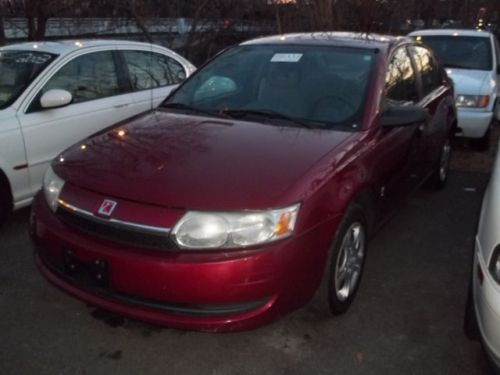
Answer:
(427, 68)
(400, 81)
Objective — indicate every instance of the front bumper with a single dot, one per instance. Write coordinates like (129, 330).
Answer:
(473, 124)
(213, 291)
(487, 307)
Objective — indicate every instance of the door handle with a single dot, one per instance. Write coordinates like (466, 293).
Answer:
(121, 105)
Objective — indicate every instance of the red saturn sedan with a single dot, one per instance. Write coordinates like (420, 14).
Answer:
(253, 188)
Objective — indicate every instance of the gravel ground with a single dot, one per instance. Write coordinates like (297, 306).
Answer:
(466, 159)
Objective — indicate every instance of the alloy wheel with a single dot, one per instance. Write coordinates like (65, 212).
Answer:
(349, 261)
(444, 162)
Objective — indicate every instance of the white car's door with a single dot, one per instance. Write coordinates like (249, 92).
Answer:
(153, 76)
(99, 100)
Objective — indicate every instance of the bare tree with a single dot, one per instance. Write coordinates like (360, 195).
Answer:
(2, 29)
(324, 10)
(137, 11)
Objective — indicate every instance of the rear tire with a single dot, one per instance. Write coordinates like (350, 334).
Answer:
(344, 265)
(442, 170)
(5, 202)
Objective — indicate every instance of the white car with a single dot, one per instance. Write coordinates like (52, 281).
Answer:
(482, 319)
(472, 60)
(54, 94)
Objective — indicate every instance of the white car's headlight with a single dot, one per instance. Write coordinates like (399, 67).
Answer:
(214, 230)
(472, 101)
(52, 186)
(495, 264)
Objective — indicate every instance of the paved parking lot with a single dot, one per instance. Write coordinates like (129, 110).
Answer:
(407, 318)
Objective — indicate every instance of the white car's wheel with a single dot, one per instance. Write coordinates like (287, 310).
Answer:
(5, 202)
(497, 111)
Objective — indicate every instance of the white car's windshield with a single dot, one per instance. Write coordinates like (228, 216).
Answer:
(461, 52)
(312, 86)
(17, 70)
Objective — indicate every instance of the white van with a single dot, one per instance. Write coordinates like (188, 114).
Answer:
(472, 60)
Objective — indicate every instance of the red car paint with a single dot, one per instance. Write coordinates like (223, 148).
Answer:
(159, 165)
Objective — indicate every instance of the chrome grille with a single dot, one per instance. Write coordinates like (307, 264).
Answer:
(115, 230)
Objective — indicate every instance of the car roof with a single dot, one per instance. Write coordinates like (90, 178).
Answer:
(66, 46)
(344, 39)
(454, 32)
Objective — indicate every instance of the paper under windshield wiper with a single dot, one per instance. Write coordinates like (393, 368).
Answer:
(264, 113)
(189, 108)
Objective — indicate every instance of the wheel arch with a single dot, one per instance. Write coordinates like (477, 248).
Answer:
(366, 199)
(5, 184)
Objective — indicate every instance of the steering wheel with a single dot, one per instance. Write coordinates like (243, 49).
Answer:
(333, 105)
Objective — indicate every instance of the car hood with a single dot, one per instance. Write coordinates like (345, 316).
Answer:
(470, 82)
(196, 162)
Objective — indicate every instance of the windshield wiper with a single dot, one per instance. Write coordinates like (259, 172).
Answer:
(269, 114)
(188, 108)
(457, 66)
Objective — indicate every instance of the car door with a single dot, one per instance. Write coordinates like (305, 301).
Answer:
(435, 99)
(400, 148)
(153, 76)
(98, 101)
(497, 75)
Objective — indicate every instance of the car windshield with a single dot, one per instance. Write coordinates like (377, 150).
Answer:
(288, 85)
(461, 52)
(17, 70)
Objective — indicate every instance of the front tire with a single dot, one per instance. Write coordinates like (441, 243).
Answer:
(471, 327)
(345, 264)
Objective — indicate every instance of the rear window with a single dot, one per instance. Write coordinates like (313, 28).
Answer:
(461, 52)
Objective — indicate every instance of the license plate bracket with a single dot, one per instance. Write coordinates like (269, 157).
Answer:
(91, 275)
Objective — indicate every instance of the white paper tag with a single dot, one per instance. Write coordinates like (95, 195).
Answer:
(287, 57)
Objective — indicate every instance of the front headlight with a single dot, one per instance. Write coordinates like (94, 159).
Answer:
(52, 186)
(211, 230)
(472, 101)
(495, 264)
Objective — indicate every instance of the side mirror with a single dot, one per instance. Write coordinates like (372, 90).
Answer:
(403, 115)
(55, 99)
